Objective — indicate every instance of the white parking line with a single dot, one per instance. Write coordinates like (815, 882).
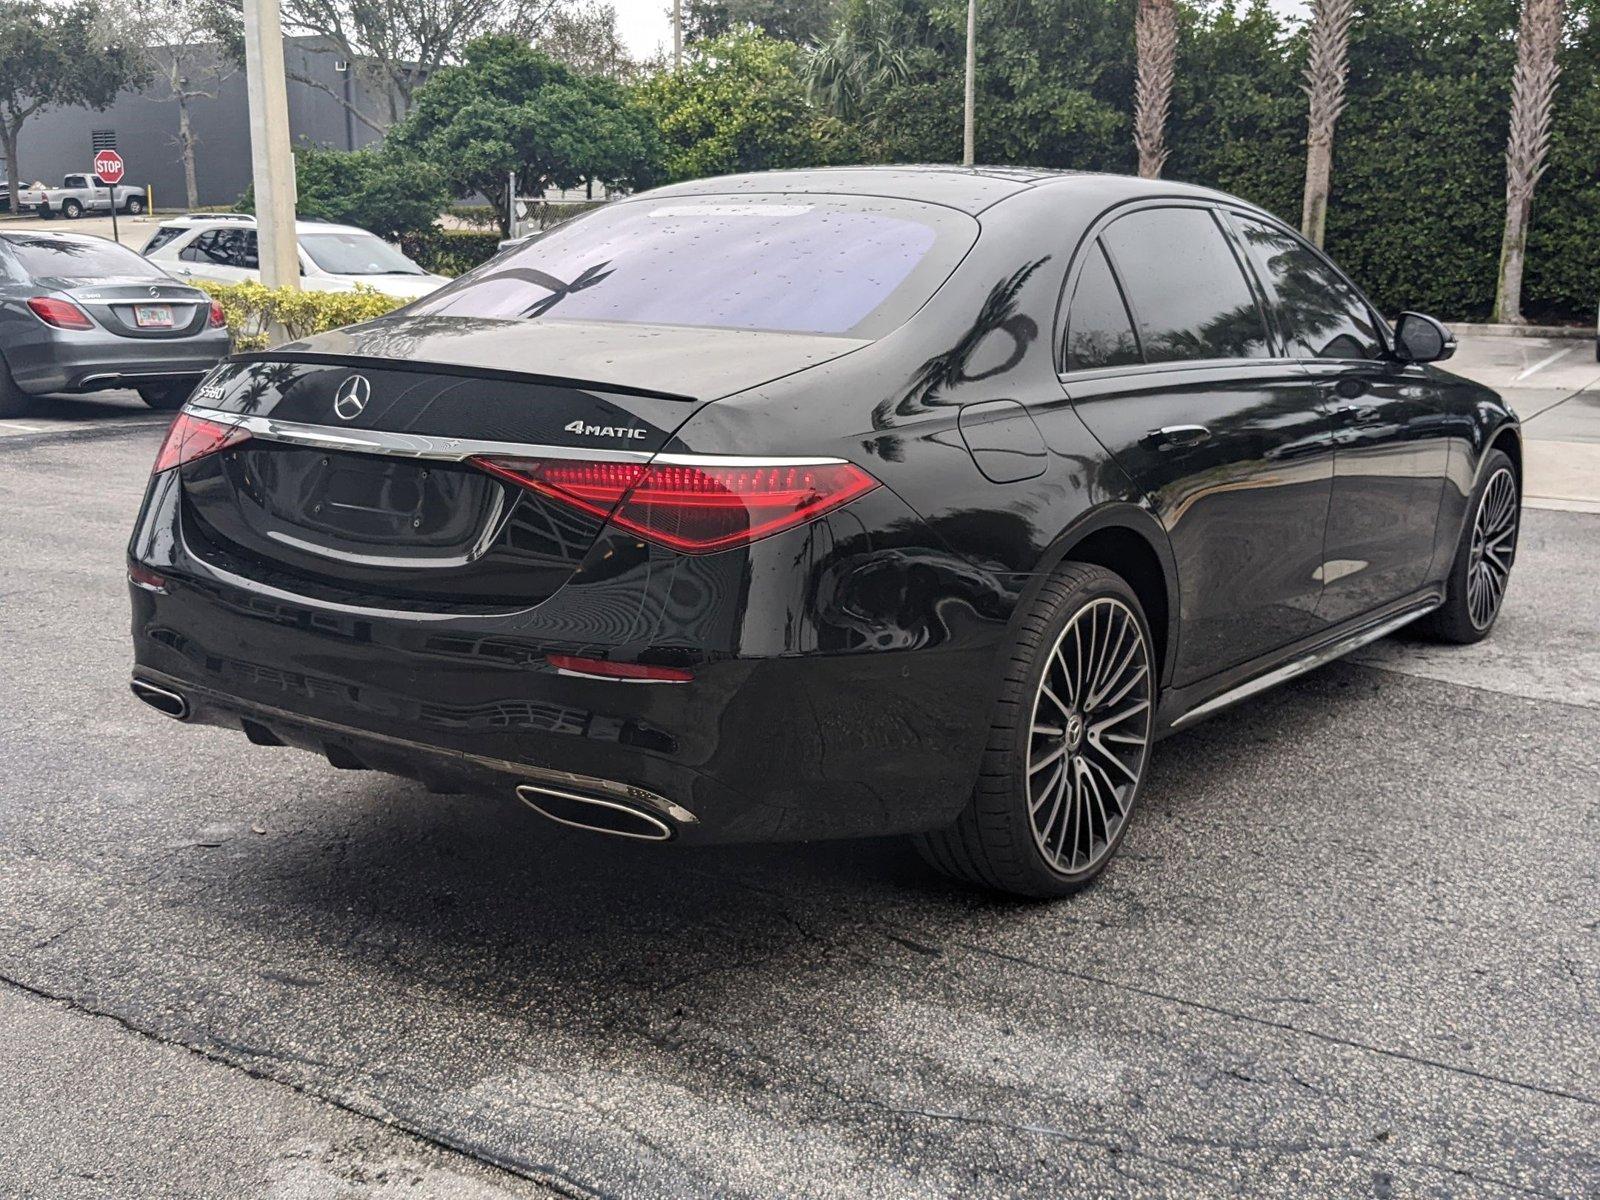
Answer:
(1544, 362)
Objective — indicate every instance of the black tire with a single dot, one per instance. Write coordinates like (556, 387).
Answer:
(14, 402)
(168, 398)
(71, 210)
(1462, 618)
(134, 206)
(996, 843)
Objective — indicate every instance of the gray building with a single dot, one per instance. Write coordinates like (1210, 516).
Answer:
(143, 126)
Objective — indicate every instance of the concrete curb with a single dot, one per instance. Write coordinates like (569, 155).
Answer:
(1531, 331)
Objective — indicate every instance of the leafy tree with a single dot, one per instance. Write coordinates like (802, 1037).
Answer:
(739, 105)
(508, 108)
(585, 38)
(380, 190)
(802, 21)
(56, 55)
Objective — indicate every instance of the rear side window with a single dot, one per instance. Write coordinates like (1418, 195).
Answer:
(77, 256)
(161, 238)
(224, 248)
(1099, 330)
(856, 266)
(1186, 288)
(1324, 317)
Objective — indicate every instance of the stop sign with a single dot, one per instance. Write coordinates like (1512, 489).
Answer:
(108, 166)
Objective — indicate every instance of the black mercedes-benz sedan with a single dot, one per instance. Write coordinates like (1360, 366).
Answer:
(825, 503)
(83, 314)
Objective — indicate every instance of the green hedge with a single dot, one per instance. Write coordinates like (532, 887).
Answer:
(450, 251)
(251, 308)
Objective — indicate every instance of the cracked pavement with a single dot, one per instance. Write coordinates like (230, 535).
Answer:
(1351, 946)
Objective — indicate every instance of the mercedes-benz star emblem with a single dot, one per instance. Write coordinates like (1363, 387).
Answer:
(155, 291)
(351, 399)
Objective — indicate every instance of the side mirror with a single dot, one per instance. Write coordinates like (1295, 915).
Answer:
(1418, 338)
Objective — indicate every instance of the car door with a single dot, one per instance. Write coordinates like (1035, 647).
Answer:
(1171, 361)
(1391, 452)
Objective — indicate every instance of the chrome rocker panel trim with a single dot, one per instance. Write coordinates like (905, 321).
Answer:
(1310, 661)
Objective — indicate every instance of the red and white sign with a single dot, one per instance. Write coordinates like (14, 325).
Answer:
(108, 166)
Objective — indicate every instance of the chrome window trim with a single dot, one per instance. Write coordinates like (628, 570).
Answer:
(446, 449)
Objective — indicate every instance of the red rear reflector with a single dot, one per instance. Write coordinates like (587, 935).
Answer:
(690, 507)
(63, 314)
(195, 437)
(218, 318)
(142, 576)
(619, 670)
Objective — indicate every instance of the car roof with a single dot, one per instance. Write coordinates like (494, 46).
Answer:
(233, 220)
(54, 235)
(970, 189)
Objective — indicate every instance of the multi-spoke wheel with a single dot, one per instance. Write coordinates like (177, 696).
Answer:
(1091, 727)
(1494, 536)
(1482, 567)
(1071, 737)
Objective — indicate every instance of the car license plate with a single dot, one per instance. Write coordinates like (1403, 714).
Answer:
(152, 316)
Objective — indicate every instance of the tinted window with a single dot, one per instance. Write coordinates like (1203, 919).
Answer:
(1185, 286)
(224, 248)
(77, 256)
(161, 238)
(812, 264)
(1323, 316)
(1099, 332)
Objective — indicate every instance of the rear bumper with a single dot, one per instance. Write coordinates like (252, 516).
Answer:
(776, 737)
(68, 361)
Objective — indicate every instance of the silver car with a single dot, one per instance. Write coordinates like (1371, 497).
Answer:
(81, 314)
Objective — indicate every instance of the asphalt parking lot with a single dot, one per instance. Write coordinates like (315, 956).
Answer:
(1351, 946)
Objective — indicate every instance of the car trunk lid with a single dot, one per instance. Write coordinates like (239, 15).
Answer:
(356, 481)
(139, 308)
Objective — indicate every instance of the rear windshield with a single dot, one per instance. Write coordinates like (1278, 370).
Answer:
(856, 266)
(77, 256)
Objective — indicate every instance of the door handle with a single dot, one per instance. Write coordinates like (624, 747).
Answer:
(1171, 436)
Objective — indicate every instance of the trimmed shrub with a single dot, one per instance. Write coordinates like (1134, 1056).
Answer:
(449, 251)
(252, 308)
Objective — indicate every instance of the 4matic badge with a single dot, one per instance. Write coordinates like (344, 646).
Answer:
(610, 431)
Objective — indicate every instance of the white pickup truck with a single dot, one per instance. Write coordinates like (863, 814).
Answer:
(79, 194)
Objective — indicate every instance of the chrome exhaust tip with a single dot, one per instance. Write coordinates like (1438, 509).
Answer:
(161, 699)
(593, 814)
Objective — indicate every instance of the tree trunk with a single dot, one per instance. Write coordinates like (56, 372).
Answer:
(1327, 67)
(1533, 90)
(186, 145)
(1319, 182)
(8, 140)
(1155, 34)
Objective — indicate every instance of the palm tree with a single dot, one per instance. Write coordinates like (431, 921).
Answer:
(1533, 90)
(1327, 66)
(869, 51)
(1155, 34)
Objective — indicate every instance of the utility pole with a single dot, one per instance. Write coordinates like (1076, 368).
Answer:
(969, 123)
(271, 161)
(677, 35)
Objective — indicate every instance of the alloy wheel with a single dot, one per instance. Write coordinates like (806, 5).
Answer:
(1494, 539)
(1090, 735)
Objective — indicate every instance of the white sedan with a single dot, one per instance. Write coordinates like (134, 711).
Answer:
(333, 258)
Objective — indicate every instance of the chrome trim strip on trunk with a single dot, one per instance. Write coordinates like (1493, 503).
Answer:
(447, 449)
(1309, 662)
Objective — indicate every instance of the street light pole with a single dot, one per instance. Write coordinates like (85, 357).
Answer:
(272, 163)
(677, 35)
(968, 129)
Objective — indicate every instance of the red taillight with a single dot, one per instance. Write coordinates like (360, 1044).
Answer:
(63, 314)
(218, 319)
(638, 672)
(195, 437)
(692, 507)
